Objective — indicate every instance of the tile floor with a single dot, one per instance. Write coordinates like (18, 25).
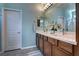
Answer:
(24, 52)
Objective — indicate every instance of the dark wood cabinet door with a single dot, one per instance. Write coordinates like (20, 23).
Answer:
(66, 46)
(58, 52)
(37, 42)
(76, 50)
(41, 44)
(47, 48)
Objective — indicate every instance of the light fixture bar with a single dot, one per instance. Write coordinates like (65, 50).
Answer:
(47, 5)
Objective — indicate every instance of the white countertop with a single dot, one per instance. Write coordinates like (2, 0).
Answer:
(69, 37)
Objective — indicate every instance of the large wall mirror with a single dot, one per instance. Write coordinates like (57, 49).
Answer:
(63, 15)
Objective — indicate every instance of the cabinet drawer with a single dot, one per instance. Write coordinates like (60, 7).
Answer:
(58, 52)
(42, 37)
(52, 41)
(66, 46)
(45, 38)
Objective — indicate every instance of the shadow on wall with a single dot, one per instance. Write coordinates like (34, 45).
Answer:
(0, 32)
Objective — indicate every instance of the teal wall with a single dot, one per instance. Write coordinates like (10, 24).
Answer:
(29, 14)
(1, 5)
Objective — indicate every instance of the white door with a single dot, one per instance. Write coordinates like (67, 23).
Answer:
(12, 29)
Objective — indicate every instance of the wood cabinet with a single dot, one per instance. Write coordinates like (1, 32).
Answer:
(59, 52)
(52, 41)
(53, 47)
(41, 43)
(37, 42)
(38, 36)
(47, 47)
(66, 46)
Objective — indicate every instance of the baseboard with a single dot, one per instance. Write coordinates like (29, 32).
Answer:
(28, 47)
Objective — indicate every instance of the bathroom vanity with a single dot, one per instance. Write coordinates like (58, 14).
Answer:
(60, 43)
(55, 45)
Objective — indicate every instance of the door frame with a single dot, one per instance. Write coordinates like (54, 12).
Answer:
(2, 34)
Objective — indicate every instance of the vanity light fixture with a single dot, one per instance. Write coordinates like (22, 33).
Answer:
(47, 5)
(43, 6)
